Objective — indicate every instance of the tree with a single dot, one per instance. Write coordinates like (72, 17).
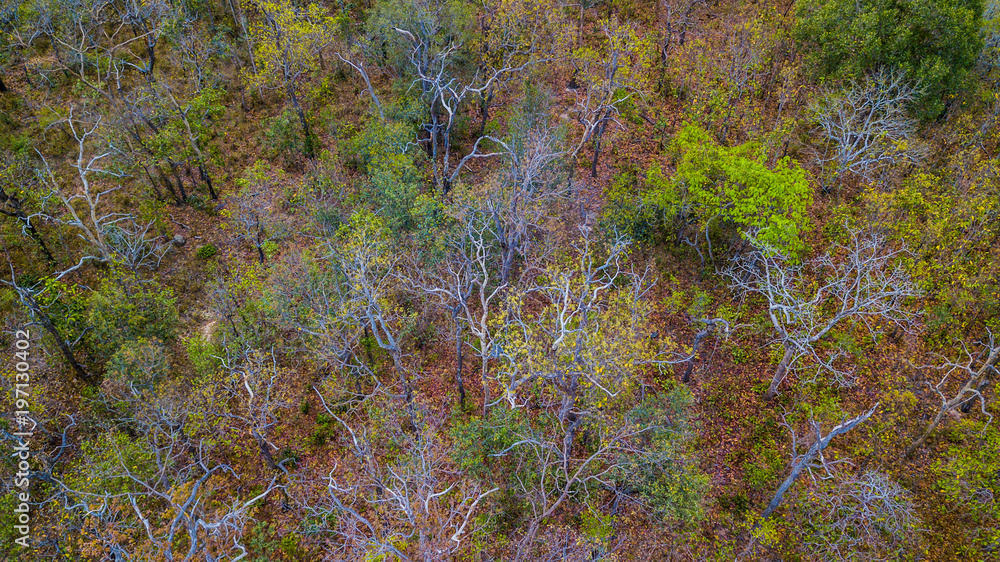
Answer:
(856, 283)
(445, 92)
(976, 379)
(161, 491)
(717, 183)
(95, 41)
(802, 462)
(91, 221)
(934, 43)
(609, 78)
(45, 302)
(287, 43)
(466, 284)
(422, 508)
(867, 128)
(255, 220)
(859, 517)
(576, 354)
(18, 182)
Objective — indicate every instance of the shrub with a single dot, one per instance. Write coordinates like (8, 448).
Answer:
(125, 309)
(139, 363)
(208, 251)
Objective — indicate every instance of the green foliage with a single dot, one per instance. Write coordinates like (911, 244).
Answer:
(203, 354)
(734, 186)
(624, 212)
(969, 475)
(282, 138)
(949, 223)
(139, 363)
(934, 42)
(665, 473)
(474, 441)
(8, 519)
(206, 252)
(393, 180)
(765, 466)
(127, 309)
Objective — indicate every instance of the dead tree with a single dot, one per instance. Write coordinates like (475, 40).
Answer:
(802, 462)
(854, 283)
(867, 127)
(967, 394)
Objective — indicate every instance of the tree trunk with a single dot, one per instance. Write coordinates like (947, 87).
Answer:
(804, 461)
(64, 349)
(780, 372)
(306, 131)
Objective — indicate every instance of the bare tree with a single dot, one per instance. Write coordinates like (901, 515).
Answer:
(80, 206)
(162, 483)
(420, 500)
(466, 284)
(803, 462)
(445, 93)
(854, 283)
(867, 127)
(866, 517)
(266, 396)
(976, 378)
(611, 79)
(711, 326)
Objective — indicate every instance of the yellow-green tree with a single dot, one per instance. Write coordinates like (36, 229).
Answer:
(608, 78)
(288, 41)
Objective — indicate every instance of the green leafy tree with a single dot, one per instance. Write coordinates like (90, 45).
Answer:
(126, 309)
(719, 184)
(933, 42)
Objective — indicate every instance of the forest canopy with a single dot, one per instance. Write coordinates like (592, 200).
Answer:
(521, 280)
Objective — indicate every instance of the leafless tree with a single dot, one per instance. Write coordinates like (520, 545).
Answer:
(420, 500)
(805, 461)
(611, 79)
(445, 93)
(976, 379)
(80, 206)
(867, 127)
(711, 326)
(858, 282)
(522, 203)
(131, 244)
(866, 517)
(82, 33)
(467, 285)
(161, 484)
(266, 395)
